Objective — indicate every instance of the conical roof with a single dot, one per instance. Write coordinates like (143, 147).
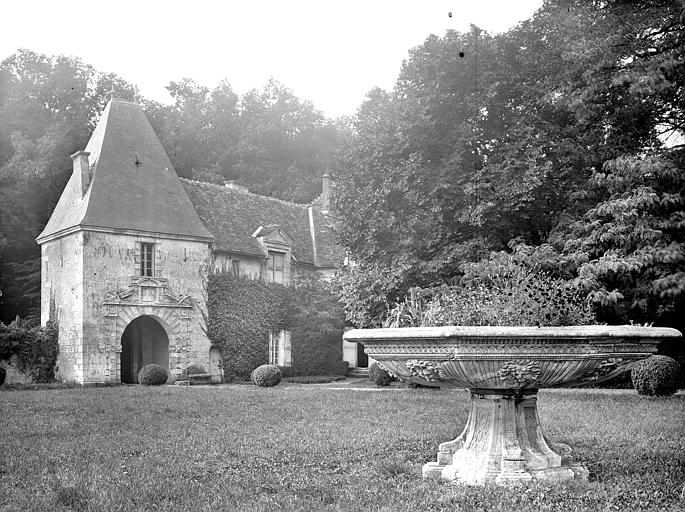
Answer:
(134, 187)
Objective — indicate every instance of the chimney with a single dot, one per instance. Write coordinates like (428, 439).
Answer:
(234, 186)
(325, 192)
(82, 169)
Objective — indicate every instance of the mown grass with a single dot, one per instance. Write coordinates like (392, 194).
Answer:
(313, 448)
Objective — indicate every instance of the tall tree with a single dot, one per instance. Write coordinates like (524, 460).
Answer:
(488, 139)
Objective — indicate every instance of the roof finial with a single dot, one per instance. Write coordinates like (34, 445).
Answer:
(112, 92)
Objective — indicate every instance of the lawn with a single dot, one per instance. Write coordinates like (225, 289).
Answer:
(297, 447)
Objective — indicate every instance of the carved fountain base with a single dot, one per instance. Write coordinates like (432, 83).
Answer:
(503, 443)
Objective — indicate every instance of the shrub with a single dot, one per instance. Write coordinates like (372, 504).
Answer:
(379, 375)
(194, 369)
(152, 375)
(656, 376)
(498, 291)
(35, 347)
(266, 375)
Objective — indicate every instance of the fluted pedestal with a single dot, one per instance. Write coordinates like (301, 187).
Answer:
(503, 443)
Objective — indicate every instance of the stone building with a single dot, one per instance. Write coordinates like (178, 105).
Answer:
(127, 251)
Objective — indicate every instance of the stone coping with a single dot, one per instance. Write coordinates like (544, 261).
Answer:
(615, 333)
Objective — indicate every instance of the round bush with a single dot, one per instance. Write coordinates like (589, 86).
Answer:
(656, 376)
(379, 375)
(152, 375)
(266, 376)
(195, 369)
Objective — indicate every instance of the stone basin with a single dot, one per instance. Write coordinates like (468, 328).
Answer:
(504, 367)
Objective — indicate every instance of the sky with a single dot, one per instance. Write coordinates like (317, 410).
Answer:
(331, 53)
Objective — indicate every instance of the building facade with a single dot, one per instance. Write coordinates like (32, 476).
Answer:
(128, 248)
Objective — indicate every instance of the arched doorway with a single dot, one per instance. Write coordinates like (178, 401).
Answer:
(144, 341)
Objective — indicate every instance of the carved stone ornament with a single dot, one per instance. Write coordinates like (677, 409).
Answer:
(425, 370)
(519, 373)
(389, 371)
(147, 291)
(604, 368)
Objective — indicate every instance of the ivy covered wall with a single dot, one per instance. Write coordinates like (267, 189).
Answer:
(242, 311)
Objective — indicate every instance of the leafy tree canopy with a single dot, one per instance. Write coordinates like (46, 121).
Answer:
(565, 128)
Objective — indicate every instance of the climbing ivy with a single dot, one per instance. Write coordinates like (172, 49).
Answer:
(240, 314)
(242, 311)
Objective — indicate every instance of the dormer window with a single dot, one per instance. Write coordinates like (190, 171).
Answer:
(147, 264)
(275, 268)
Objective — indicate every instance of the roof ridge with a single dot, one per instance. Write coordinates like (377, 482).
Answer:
(208, 184)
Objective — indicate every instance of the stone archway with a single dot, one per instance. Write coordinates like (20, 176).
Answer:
(176, 323)
(144, 341)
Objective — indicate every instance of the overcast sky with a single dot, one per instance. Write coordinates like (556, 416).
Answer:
(331, 53)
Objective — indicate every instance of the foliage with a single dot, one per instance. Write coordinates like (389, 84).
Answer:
(153, 375)
(268, 140)
(195, 369)
(35, 347)
(495, 291)
(315, 320)
(241, 312)
(632, 242)
(266, 376)
(379, 376)
(553, 132)
(656, 376)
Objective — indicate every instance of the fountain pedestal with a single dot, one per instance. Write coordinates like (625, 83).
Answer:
(503, 442)
(504, 367)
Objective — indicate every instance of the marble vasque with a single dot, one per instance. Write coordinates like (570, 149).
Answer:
(504, 367)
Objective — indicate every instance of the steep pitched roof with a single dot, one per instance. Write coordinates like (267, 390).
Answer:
(134, 186)
(233, 216)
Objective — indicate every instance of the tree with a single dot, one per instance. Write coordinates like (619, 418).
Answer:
(485, 140)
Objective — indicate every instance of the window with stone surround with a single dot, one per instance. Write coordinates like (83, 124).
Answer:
(275, 267)
(147, 259)
(280, 349)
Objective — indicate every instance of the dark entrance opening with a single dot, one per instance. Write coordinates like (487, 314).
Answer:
(144, 341)
(362, 358)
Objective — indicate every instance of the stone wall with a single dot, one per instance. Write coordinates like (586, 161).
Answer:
(62, 294)
(174, 296)
(249, 266)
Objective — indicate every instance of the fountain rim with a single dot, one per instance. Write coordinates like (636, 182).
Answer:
(614, 333)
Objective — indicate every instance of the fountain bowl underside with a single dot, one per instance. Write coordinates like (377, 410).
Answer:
(504, 367)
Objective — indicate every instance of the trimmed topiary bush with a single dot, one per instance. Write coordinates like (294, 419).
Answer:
(266, 375)
(656, 376)
(152, 375)
(379, 375)
(195, 369)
